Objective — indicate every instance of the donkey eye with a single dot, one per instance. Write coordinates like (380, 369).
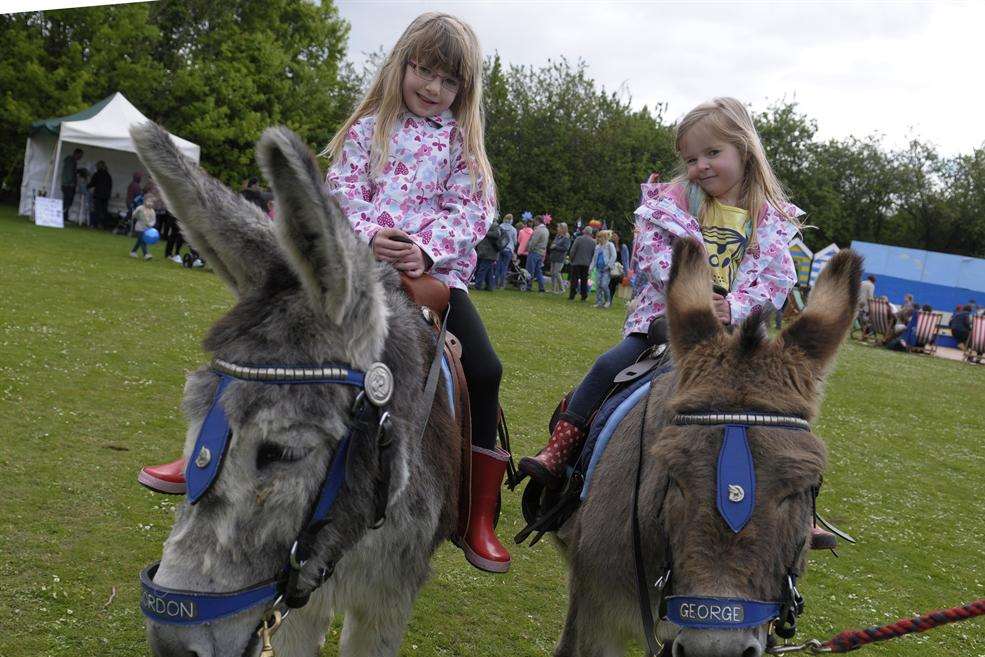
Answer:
(270, 453)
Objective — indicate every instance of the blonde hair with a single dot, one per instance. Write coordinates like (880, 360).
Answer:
(602, 237)
(729, 120)
(435, 40)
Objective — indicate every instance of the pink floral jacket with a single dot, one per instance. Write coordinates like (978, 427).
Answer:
(765, 276)
(424, 190)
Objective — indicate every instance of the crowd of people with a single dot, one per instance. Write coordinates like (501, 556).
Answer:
(529, 251)
(93, 192)
(904, 317)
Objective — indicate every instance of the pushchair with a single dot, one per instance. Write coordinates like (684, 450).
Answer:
(517, 275)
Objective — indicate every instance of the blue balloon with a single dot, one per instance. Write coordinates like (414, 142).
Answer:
(151, 236)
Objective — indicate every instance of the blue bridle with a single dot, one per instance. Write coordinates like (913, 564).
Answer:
(369, 415)
(735, 499)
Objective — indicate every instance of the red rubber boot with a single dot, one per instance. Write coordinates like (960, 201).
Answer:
(548, 466)
(480, 543)
(167, 478)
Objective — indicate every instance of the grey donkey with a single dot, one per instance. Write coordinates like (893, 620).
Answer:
(307, 292)
(680, 527)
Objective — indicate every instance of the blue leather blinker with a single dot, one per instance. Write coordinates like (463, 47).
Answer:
(210, 447)
(736, 486)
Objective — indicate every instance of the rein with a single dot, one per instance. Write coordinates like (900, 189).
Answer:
(735, 497)
(369, 421)
(854, 639)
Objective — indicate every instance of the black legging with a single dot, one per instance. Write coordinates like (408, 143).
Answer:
(483, 371)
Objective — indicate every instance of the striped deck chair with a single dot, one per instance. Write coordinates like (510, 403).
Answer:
(975, 346)
(881, 320)
(925, 331)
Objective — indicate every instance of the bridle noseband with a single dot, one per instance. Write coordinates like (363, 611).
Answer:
(735, 499)
(368, 421)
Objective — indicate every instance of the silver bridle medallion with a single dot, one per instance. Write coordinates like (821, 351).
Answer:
(378, 383)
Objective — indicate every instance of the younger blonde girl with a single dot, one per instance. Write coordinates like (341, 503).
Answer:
(725, 196)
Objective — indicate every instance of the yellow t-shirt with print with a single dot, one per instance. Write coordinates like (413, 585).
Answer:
(726, 231)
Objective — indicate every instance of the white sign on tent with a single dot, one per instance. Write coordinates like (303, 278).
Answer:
(48, 212)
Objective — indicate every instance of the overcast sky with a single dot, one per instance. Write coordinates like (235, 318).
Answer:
(901, 69)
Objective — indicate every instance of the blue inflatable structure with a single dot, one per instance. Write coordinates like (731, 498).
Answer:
(939, 279)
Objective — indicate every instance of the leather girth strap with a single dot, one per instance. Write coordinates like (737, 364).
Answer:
(428, 292)
(463, 414)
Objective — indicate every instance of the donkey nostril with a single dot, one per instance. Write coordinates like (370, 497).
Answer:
(678, 650)
(751, 651)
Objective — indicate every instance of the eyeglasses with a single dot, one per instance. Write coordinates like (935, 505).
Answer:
(451, 85)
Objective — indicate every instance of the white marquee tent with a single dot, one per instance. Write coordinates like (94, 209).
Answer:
(103, 133)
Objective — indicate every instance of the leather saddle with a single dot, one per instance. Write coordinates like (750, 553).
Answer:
(432, 296)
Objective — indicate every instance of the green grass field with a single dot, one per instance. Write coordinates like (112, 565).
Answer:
(94, 347)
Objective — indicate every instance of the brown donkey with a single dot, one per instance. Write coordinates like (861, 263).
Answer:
(725, 383)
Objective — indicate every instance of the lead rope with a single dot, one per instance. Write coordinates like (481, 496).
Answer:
(854, 639)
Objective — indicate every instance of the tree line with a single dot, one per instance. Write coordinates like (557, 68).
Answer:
(219, 73)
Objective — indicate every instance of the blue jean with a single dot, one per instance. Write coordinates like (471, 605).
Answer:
(588, 395)
(485, 275)
(139, 242)
(602, 290)
(535, 265)
(503, 266)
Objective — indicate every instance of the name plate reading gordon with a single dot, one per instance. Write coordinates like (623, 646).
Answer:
(184, 610)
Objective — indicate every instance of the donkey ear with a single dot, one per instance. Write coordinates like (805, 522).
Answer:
(228, 231)
(690, 316)
(336, 270)
(823, 325)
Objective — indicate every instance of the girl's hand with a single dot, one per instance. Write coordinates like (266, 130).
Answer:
(723, 311)
(413, 263)
(392, 245)
(653, 178)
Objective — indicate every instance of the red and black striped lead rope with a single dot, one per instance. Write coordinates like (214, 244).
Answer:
(854, 639)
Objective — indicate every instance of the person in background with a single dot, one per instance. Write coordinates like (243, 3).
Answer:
(144, 217)
(866, 292)
(85, 201)
(559, 251)
(581, 254)
(487, 251)
(253, 194)
(270, 209)
(602, 261)
(172, 249)
(907, 309)
(961, 324)
(133, 188)
(522, 237)
(102, 189)
(69, 179)
(506, 253)
(536, 251)
(616, 278)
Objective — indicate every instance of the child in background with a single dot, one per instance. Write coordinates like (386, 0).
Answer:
(602, 261)
(144, 217)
